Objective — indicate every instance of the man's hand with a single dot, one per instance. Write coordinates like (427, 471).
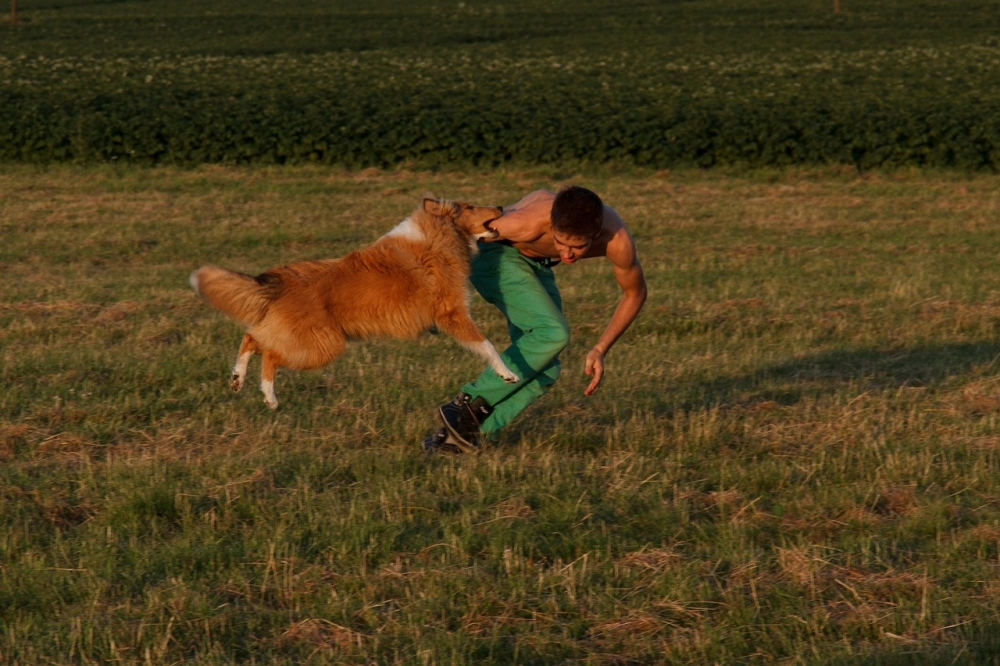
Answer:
(595, 370)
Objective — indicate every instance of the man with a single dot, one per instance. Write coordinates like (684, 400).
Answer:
(514, 273)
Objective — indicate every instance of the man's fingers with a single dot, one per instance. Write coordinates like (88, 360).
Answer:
(596, 381)
(594, 368)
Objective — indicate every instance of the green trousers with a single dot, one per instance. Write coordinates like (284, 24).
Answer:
(525, 292)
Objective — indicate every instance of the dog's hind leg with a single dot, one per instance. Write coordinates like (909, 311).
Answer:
(462, 328)
(269, 365)
(247, 349)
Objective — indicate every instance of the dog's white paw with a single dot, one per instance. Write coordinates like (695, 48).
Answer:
(270, 399)
(237, 383)
(509, 377)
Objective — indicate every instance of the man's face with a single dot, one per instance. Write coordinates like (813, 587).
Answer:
(570, 248)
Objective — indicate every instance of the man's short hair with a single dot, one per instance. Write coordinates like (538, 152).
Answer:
(577, 212)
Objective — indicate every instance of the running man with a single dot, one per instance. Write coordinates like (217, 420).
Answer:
(514, 273)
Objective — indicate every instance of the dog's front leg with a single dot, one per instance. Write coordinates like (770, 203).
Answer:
(489, 353)
(463, 329)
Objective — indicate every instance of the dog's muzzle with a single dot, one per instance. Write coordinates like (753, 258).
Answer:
(491, 232)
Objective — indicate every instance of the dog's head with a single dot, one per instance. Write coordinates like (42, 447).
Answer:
(473, 220)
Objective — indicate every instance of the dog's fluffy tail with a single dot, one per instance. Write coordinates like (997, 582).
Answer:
(242, 297)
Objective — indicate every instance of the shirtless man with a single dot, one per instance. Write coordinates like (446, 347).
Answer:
(514, 273)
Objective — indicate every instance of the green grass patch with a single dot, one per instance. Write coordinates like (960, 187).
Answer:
(793, 458)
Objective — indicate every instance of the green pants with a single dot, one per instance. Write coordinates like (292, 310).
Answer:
(525, 292)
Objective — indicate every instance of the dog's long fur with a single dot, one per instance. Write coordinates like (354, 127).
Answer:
(410, 280)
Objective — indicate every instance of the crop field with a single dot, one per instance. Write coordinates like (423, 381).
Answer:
(795, 457)
(382, 83)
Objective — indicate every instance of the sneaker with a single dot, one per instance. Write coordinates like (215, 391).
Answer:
(462, 417)
(439, 441)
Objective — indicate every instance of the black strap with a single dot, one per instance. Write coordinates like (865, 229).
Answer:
(544, 261)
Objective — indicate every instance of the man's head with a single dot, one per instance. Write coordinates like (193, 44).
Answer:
(577, 219)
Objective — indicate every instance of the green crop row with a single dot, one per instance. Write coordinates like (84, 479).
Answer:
(652, 106)
(366, 130)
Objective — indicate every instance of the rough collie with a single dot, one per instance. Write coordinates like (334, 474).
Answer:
(412, 279)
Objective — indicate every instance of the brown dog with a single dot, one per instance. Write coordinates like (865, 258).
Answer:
(410, 280)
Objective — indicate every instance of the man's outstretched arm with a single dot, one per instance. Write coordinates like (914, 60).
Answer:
(628, 273)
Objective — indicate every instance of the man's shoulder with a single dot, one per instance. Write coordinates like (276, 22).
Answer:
(611, 218)
(538, 198)
(613, 229)
(534, 210)
(618, 245)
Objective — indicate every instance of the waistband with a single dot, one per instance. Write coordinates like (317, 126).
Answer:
(542, 261)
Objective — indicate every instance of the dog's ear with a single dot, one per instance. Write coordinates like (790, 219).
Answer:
(431, 204)
(439, 207)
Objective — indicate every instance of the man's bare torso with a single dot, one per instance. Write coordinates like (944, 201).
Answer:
(527, 226)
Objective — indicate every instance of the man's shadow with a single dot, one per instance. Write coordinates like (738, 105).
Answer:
(815, 375)
(787, 383)
(968, 643)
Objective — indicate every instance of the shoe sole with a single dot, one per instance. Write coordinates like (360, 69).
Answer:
(454, 438)
(446, 445)
(446, 448)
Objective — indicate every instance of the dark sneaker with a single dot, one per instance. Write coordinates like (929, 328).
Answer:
(462, 417)
(439, 441)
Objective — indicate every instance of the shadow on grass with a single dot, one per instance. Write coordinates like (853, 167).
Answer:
(979, 646)
(787, 383)
(812, 376)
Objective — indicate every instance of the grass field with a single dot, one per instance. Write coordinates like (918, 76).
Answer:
(793, 459)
